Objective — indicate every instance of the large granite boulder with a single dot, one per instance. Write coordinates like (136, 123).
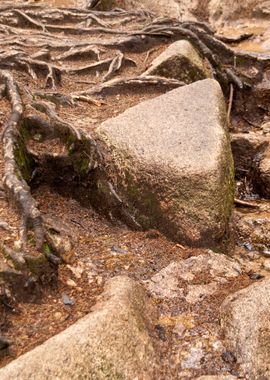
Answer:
(180, 61)
(112, 342)
(245, 318)
(170, 160)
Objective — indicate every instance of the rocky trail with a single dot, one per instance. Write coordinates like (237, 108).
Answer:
(128, 235)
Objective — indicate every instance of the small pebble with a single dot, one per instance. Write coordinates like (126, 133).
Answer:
(67, 300)
(71, 283)
(248, 246)
(77, 271)
(255, 276)
(58, 315)
(118, 250)
(99, 280)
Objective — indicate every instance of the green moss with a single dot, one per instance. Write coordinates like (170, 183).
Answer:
(81, 165)
(46, 248)
(30, 238)
(24, 131)
(37, 263)
(24, 162)
(102, 187)
(71, 140)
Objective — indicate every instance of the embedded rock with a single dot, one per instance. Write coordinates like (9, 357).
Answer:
(112, 342)
(180, 61)
(171, 281)
(245, 317)
(170, 160)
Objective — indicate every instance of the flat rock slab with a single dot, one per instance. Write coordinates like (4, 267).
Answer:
(180, 61)
(170, 160)
(245, 317)
(112, 342)
(177, 278)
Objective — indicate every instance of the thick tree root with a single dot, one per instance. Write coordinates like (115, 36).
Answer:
(203, 38)
(141, 81)
(13, 180)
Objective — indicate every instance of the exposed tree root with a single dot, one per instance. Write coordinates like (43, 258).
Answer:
(13, 180)
(131, 82)
(199, 34)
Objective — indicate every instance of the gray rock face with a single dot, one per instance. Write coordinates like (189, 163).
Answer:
(245, 317)
(112, 342)
(171, 162)
(180, 61)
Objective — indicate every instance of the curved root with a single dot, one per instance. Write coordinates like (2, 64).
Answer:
(13, 180)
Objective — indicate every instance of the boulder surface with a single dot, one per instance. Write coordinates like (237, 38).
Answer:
(245, 317)
(112, 342)
(170, 160)
(180, 61)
